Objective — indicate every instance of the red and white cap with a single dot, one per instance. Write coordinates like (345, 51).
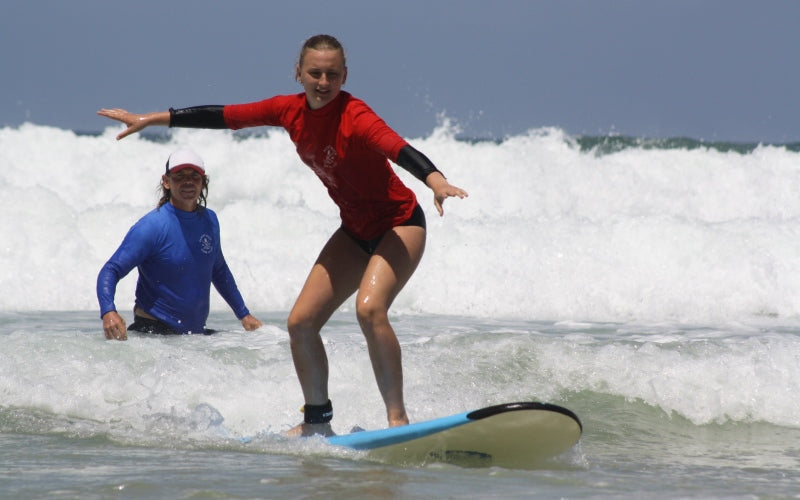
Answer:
(185, 158)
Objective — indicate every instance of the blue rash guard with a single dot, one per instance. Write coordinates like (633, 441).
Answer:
(178, 255)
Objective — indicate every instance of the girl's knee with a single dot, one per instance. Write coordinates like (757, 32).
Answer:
(299, 325)
(369, 314)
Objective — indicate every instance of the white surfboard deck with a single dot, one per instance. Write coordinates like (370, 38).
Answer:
(513, 435)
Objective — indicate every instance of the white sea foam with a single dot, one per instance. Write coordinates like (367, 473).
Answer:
(548, 232)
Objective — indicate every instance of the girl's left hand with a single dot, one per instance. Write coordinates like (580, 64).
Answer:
(443, 190)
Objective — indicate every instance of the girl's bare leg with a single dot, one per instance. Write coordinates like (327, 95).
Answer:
(388, 270)
(333, 278)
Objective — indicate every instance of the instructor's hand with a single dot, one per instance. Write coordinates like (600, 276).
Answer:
(114, 326)
(135, 122)
(250, 323)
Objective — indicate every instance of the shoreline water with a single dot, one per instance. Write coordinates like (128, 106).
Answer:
(162, 416)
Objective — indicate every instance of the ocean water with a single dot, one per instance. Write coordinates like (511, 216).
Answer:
(651, 286)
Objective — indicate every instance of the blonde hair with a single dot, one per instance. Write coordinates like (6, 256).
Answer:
(321, 42)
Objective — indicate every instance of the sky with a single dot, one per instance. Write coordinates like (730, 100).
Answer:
(714, 70)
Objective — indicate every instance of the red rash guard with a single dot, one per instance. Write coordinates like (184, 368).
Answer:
(347, 145)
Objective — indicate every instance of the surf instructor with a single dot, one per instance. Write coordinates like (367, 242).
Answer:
(176, 249)
(382, 235)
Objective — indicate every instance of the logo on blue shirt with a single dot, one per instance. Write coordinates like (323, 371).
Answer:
(206, 244)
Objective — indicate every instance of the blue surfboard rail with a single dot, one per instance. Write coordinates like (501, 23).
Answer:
(367, 440)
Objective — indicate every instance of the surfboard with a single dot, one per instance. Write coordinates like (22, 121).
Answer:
(512, 435)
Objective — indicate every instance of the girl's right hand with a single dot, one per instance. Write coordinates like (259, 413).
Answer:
(135, 122)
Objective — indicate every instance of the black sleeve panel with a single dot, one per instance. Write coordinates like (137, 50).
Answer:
(197, 117)
(415, 162)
